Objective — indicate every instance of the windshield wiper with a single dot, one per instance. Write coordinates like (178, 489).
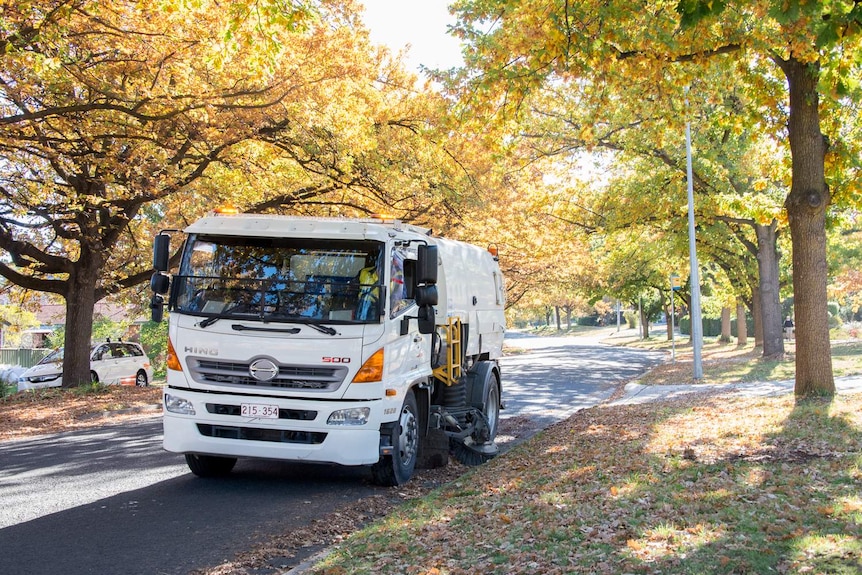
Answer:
(290, 318)
(323, 328)
(222, 314)
(319, 327)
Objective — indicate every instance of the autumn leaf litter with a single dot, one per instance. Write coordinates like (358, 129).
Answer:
(704, 484)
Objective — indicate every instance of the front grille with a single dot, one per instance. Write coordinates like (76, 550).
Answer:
(257, 434)
(300, 377)
(296, 414)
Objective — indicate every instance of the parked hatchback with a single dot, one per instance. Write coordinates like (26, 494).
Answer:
(112, 363)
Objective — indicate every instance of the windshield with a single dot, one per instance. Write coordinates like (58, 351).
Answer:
(55, 356)
(279, 279)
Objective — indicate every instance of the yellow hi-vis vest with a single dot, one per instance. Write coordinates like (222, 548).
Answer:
(369, 293)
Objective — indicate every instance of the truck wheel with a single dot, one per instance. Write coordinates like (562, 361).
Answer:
(480, 446)
(209, 465)
(397, 469)
(485, 396)
(491, 407)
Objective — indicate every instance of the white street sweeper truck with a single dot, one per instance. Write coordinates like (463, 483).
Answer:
(343, 341)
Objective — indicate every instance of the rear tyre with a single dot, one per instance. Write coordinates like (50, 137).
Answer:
(209, 465)
(491, 407)
(141, 379)
(397, 469)
(480, 446)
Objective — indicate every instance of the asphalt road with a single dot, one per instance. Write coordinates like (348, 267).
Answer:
(109, 500)
(552, 377)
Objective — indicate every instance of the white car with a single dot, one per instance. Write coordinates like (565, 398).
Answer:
(121, 362)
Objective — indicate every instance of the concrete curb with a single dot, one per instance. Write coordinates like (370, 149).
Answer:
(308, 563)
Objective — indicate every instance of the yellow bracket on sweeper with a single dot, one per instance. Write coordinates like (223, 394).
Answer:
(450, 372)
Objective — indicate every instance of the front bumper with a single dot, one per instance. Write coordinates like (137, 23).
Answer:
(300, 434)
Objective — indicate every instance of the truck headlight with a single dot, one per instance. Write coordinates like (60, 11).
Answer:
(352, 416)
(176, 404)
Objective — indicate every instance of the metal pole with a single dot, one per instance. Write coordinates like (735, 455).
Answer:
(696, 322)
(672, 329)
(640, 316)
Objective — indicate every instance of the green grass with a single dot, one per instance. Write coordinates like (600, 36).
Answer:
(730, 363)
(717, 485)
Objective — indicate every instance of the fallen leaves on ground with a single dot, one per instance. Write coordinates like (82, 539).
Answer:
(54, 410)
(707, 484)
(289, 549)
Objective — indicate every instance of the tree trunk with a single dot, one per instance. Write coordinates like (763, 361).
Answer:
(644, 324)
(557, 313)
(80, 302)
(741, 324)
(725, 324)
(770, 293)
(806, 210)
(757, 316)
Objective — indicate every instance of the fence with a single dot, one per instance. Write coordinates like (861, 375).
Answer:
(22, 357)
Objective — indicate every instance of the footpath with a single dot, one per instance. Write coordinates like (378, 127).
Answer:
(636, 393)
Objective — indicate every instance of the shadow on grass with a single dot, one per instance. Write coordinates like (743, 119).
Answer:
(700, 485)
(786, 504)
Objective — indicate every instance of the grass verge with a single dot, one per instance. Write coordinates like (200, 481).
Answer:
(731, 363)
(708, 484)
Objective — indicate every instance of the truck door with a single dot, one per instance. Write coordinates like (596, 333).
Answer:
(410, 350)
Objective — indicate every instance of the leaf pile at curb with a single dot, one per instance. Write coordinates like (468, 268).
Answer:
(54, 410)
(708, 484)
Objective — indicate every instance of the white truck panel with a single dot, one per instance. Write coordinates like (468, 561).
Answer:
(470, 287)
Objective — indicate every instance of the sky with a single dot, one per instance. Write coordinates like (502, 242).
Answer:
(421, 24)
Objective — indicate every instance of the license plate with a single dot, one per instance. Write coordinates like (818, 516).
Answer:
(259, 410)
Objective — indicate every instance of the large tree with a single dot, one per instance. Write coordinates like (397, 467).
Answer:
(623, 54)
(639, 183)
(110, 110)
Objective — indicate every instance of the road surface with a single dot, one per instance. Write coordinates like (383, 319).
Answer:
(109, 500)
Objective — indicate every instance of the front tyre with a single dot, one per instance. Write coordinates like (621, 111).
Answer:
(209, 465)
(141, 379)
(397, 468)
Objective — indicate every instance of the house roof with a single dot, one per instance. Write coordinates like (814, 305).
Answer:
(55, 313)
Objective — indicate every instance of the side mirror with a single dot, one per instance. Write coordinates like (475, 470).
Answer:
(426, 295)
(426, 319)
(157, 308)
(426, 265)
(161, 252)
(160, 283)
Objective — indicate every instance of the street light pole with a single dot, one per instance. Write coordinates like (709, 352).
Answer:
(696, 323)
